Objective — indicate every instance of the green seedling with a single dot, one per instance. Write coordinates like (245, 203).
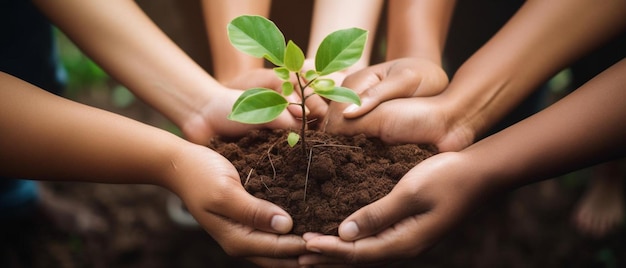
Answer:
(259, 37)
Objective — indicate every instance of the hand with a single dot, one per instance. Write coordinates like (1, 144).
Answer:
(211, 120)
(428, 120)
(401, 78)
(426, 203)
(243, 225)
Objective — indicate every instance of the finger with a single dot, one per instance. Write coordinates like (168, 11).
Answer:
(375, 217)
(286, 120)
(241, 240)
(406, 238)
(318, 107)
(295, 110)
(310, 235)
(394, 86)
(240, 206)
(370, 125)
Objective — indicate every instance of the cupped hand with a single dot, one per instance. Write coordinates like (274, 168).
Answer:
(425, 204)
(243, 225)
(211, 120)
(421, 120)
(400, 78)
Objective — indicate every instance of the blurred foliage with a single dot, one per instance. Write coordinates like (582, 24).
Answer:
(84, 74)
(82, 71)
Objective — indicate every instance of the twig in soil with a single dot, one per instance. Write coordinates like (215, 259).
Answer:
(306, 178)
(248, 178)
(269, 157)
(337, 192)
(268, 188)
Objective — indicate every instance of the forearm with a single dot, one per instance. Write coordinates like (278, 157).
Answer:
(418, 28)
(585, 128)
(331, 15)
(229, 62)
(542, 38)
(130, 47)
(47, 137)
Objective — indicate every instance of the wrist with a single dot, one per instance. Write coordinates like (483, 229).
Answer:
(176, 155)
(478, 101)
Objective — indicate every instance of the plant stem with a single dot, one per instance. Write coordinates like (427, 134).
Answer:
(304, 120)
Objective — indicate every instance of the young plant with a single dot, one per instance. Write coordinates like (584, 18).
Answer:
(259, 37)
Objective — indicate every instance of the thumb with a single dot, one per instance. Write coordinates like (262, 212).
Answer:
(375, 217)
(257, 213)
(389, 88)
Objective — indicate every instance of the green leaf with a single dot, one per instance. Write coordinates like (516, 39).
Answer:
(340, 94)
(287, 88)
(294, 57)
(282, 73)
(310, 75)
(258, 106)
(339, 50)
(293, 139)
(323, 85)
(257, 36)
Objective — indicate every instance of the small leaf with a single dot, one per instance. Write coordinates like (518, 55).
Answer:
(293, 139)
(294, 57)
(310, 75)
(340, 94)
(258, 106)
(287, 88)
(257, 36)
(323, 85)
(339, 50)
(282, 73)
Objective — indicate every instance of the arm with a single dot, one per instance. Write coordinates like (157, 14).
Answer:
(331, 15)
(229, 62)
(50, 138)
(418, 29)
(541, 39)
(585, 128)
(416, 35)
(130, 47)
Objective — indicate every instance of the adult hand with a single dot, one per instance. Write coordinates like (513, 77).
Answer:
(400, 78)
(425, 204)
(243, 225)
(428, 120)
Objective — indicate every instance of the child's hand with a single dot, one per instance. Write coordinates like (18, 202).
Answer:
(211, 120)
(420, 210)
(243, 225)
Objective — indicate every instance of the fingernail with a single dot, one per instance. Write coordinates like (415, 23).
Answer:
(280, 224)
(314, 249)
(349, 230)
(350, 108)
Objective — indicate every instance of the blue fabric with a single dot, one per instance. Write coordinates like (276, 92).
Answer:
(27, 51)
(18, 198)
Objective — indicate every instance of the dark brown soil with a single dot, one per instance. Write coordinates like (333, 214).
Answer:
(343, 174)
